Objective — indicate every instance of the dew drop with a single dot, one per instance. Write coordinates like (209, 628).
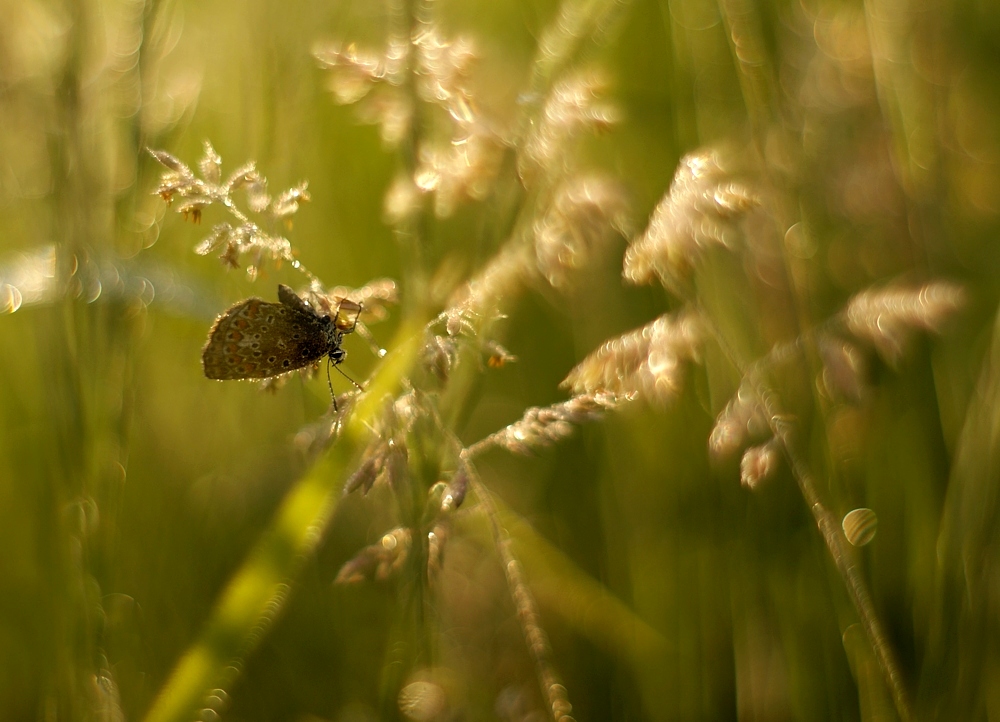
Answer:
(860, 526)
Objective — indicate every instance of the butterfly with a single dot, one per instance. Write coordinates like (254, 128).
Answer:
(255, 339)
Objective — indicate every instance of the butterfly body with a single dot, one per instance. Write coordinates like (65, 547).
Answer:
(255, 339)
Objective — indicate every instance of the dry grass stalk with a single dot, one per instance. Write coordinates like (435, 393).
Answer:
(478, 303)
(232, 242)
(437, 541)
(574, 105)
(528, 617)
(759, 464)
(645, 363)
(378, 561)
(462, 169)
(544, 426)
(444, 68)
(402, 200)
(703, 208)
(460, 166)
(372, 81)
(465, 165)
(371, 467)
(887, 317)
(844, 369)
(586, 212)
(354, 72)
(782, 430)
(456, 490)
(741, 421)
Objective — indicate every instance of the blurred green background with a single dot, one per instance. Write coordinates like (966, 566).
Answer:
(132, 488)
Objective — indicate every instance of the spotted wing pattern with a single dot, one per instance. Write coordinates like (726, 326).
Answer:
(255, 339)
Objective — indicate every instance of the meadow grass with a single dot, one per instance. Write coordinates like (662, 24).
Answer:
(676, 345)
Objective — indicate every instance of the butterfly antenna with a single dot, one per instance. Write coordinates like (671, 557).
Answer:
(356, 384)
(329, 383)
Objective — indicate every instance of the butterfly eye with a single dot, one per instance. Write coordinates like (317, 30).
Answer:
(338, 355)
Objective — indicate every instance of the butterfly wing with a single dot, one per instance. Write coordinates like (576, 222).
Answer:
(291, 299)
(255, 339)
(345, 319)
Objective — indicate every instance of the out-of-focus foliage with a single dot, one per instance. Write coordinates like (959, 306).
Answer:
(566, 493)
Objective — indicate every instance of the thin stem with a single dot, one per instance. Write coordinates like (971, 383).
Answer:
(578, 21)
(759, 94)
(843, 559)
(524, 601)
(407, 18)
